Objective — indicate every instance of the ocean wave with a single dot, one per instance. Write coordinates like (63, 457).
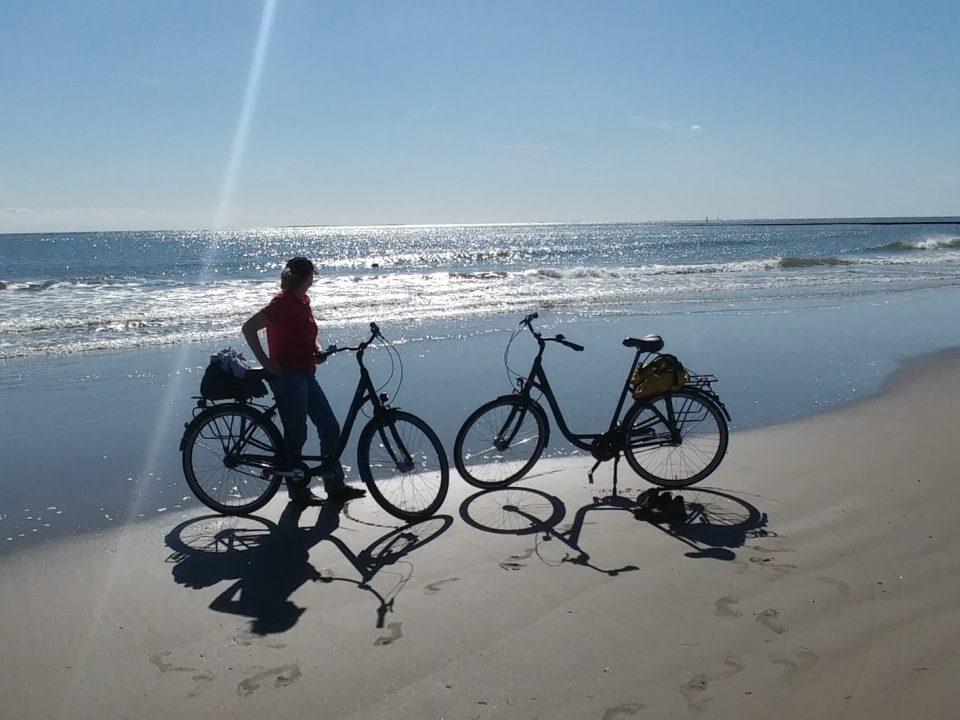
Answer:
(799, 262)
(79, 283)
(952, 243)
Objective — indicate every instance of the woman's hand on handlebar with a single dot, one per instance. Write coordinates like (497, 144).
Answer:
(321, 355)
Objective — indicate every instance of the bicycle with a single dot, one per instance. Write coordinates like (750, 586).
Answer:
(672, 439)
(233, 452)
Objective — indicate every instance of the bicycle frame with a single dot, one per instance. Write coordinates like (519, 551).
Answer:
(537, 379)
(365, 393)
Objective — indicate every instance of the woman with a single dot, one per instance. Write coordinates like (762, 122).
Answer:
(294, 352)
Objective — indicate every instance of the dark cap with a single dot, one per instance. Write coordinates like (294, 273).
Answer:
(300, 266)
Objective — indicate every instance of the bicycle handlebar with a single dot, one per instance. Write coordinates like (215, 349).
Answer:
(333, 349)
(563, 341)
(528, 320)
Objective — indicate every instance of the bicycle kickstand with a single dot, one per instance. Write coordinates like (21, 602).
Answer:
(590, 472)
(616, 462)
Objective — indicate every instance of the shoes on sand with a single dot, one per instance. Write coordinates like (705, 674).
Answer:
(347, 493)
(659, 506)
(300, 494)
(307, 499)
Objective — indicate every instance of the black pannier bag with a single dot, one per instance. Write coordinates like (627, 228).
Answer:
(227, 378)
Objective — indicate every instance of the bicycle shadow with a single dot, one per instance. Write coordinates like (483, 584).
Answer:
(713, 521)
(269, 562)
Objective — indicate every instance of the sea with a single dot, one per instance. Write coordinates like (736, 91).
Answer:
(67, 293)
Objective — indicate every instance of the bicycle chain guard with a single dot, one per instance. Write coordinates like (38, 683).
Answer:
(609, 445)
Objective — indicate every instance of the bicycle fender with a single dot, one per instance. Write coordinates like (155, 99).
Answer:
(537, 408)
(199, 417)
(709, 396)
(714, 398)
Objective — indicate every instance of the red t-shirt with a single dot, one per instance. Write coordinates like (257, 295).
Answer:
(291, 331)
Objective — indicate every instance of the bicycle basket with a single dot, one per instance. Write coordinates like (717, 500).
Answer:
(661, 375)
(219, 384)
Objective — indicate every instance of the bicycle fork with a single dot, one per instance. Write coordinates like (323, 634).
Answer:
(405, 462)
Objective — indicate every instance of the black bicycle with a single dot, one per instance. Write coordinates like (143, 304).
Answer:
(673, 438)
(233, 452)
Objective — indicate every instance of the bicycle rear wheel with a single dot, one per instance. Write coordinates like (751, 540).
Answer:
(228, 452)
(403, 465)
(675, 439)
(499, 442)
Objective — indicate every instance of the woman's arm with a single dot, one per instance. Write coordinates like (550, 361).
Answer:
(251, 332)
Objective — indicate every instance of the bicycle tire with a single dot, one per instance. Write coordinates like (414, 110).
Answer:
(662, 458)
(403, 464)
(476, 454)
(213, 436)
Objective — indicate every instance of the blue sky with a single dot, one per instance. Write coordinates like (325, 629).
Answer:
(234, 113)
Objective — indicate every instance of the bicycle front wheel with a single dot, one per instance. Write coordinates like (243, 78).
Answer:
(228, 451)
(676, 439)
(403, 465)
(499, 442)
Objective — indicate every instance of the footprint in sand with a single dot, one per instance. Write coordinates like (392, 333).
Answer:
(778, 569)
(282, 677)
(395, 634)
(725, 606)
(693, 690)
(247, 638)
(202, 681)
(842, 588)
(160, 660)
(435, 587)
(769, 618)
(801, 659)
(625, 709)
(202, 678)
(513, 562)
(761, 549)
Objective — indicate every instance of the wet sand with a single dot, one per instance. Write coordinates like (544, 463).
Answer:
(815, 577)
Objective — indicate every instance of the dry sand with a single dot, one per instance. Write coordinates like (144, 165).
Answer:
(817, 579)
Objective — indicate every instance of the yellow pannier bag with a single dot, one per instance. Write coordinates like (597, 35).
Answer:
(661, 375)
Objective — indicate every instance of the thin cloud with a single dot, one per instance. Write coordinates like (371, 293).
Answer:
(16, 211)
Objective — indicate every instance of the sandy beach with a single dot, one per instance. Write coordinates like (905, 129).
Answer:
(815, 578)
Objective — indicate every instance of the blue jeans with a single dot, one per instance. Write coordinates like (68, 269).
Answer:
(298, 396)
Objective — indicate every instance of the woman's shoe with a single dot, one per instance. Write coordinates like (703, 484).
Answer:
(347, 493)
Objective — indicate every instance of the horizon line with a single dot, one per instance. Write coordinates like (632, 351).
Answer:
(772, 221)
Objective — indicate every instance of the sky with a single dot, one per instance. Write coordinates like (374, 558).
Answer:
(177, 114)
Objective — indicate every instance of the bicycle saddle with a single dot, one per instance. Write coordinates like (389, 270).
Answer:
(259, 374)
(648, 343)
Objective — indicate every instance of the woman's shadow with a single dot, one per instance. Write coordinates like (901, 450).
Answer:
(268, 562)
